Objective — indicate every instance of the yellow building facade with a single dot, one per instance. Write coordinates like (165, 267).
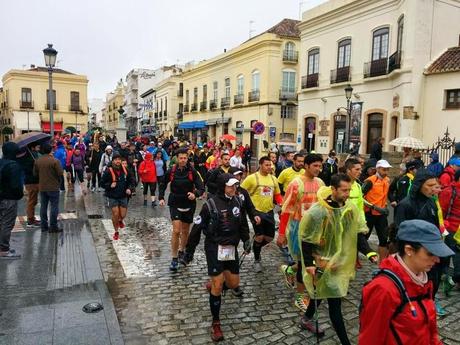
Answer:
(25, 107)
(254, 82)
(113, 121)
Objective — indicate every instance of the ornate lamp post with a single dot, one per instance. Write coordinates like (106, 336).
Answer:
(338, 116)
(50, 61)
(283, 114)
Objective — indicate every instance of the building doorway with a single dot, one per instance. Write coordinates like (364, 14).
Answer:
(339, 134)
(253, 141)
(309, 133)
(374, 129)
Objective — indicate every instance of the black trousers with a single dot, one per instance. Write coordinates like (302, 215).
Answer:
(335, 314)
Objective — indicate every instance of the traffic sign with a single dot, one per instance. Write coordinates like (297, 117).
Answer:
(258, 128)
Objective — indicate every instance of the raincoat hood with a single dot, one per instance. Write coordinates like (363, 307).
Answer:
(148, 156)
(325, 192)
(435, 157)
(420, 178)
(10, 150)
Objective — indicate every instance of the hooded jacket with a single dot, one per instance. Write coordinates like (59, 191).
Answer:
(449, 199)
(416, 205)
(435, 167)
(381, 297)
(61, 154)
(447, 177)
(147, 170)
(11, 175)
(123, 181)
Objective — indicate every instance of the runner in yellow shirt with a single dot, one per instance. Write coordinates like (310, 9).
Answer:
(289, 174)
(264, 190)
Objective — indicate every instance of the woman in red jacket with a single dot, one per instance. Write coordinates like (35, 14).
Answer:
(148, 175)
(397, 305)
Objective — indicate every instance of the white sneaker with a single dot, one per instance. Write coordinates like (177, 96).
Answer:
(257, 266)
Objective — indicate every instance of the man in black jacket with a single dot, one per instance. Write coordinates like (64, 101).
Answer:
(221, 220)
(377, 148)
(11, 190)
(118, 184)
(186, 186)
(94, 161)
(211, 179)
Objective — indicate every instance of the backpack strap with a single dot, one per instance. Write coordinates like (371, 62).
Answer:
(451, 202)
(114, 177)
(173, 173)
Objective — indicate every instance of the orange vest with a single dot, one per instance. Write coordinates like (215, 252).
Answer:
(378, 194)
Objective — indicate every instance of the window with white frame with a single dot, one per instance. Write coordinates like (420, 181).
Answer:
(256, 80)
(240, 85)
(380, 44)
(313, 61)
(227, 87)
(215, 90)
(288, 81)
(344, 54)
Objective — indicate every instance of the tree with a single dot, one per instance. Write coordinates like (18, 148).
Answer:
(71, 130)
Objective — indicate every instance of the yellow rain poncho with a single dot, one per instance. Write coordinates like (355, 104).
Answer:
(333, 232)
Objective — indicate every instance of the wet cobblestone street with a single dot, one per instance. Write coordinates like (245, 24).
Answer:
(155, 306)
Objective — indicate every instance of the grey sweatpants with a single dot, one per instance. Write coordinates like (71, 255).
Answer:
(8, 213)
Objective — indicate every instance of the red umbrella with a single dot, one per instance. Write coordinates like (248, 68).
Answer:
(228, 137)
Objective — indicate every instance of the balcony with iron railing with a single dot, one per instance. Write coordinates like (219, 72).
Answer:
(194, 107)
(186, 108)
(26, 104)
(394, 61)
(165, 114)
(290, 56)
(340, 75)
(213, 104)
(75, 107)
(309, 81)
(55, 106)
(254, 96)
(288, 95)
(238, 99)
(225, 101)
(179, 116)
(375, 68)
(203, 105)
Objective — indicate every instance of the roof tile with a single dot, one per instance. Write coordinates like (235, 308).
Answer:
(449, 61)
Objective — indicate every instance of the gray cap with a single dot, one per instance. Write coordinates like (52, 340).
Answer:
(427, 234)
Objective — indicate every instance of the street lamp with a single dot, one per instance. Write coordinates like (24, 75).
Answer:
(338, 116)
(222, 108)
(283, 114)
(50, 61)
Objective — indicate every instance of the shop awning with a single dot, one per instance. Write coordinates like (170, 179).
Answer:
(46, 126)
(27, 120)
(192, 125)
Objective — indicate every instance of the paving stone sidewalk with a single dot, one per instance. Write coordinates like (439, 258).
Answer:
(42, 294)
(155, 306)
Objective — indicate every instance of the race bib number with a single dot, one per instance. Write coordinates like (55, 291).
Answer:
(266, 191)
(225, 253)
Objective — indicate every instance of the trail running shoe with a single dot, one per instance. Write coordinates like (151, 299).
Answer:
(216, 332)
(116, 236)
(440, 311)
(447, 285)
(237, 292)
(174, 265)
(257, 266)
(289, 276)
(185, 259)
(301, 301)
(121, 224)
(310, 326)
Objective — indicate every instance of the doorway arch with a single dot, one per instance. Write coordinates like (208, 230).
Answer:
(310, 133)
(374, 129)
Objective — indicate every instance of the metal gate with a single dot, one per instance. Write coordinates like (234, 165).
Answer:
(444, 146)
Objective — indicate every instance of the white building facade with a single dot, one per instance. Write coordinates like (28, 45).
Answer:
(380, 48)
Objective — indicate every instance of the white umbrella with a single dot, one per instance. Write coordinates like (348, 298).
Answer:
(410, 142)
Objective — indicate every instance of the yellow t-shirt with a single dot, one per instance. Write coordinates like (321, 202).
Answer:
(262, 189)
(288, 175)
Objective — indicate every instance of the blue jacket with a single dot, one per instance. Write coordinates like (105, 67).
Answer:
(60, 154)
(164, 155)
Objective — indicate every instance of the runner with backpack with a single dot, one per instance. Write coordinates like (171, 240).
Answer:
(397, 305)
(186, 186)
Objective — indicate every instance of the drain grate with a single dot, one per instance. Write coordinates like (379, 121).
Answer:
(94, 216)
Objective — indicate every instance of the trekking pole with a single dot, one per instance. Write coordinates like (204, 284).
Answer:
(243, 256)
(318, 272)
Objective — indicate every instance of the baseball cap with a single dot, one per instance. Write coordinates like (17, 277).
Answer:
(235, 171)
(383, 164)
(411, 165)
(427, 234)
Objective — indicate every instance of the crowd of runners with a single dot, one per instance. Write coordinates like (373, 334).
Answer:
(320, 211)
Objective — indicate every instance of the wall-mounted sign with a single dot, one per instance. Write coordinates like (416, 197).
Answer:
(258, 128)
(272, 131)
(323, 128)
(356, 119)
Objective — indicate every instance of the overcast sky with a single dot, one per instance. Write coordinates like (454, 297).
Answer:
(105, 39)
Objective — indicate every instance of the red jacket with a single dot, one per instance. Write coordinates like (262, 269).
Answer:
(447, 177)
(380, 299)
(148, 170)
(452, 216)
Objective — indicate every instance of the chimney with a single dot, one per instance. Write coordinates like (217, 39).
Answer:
(32, 66)
(225, 50)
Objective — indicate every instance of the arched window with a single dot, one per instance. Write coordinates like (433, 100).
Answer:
(240, 85)
(344, 53)
(256, 80)
(400, 32)
(313, 61)
(289, 47)
(380, 44)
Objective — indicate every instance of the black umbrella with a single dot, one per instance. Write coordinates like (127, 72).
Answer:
(32, 137)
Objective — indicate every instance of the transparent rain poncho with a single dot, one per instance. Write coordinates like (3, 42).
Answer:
(300, 195)
(333, 232)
